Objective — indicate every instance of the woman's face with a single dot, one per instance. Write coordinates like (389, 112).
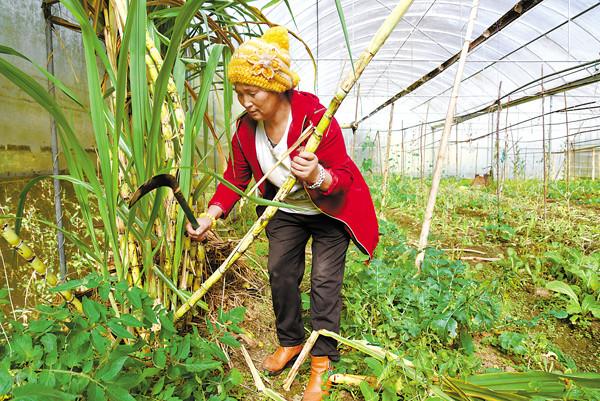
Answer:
(259, 103)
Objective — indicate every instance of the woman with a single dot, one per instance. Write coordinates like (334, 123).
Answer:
(330, 202)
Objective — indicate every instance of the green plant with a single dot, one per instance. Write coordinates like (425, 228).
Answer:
(578, 306)
(116, 355)
(396, 306)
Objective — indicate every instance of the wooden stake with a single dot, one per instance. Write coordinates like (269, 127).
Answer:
(386, 169)
(437, 173)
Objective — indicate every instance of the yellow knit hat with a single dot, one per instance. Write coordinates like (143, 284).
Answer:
(264, 62)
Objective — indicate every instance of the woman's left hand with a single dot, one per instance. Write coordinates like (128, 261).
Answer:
(305, 166)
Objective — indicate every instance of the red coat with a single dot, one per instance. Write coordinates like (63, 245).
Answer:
(348, 198)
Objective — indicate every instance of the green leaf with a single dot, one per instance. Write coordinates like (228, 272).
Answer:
(119, 330)
(342, 18)
(89, 309)
(203, 366)
(37, 392)
(100, 342)
(158, 386)
(113, 366)
(6, 380)
(235, 377)
(367, 392)
(135, 298)
(159, 358)
(130, 321)
(40, 326)
(69, 285)
(228, 339)
(589, 304)
(95, 392)
(184, 348)
(467, 342)
(55, 81)
(563, 288)
(375, 366)
(119, 394)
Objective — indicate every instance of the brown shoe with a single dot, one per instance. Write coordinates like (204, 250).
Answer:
(282, 358)
(316, 388)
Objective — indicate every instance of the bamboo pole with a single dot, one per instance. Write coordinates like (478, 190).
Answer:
(58, 214)
(402, 156)
(504, 163)
(456, 151)
(38, 265)
(545, 173)
(567, 155)
(313, 142)
(497, 156)
(435, 181)
(386, 169)
(421, 154)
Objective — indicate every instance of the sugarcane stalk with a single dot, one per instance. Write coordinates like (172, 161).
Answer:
(310, 343)
(437, 172)
(313, 142)
(352, 380)
(260, 386)
(38, 265)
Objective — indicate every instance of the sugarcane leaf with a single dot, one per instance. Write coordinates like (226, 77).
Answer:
(254, 199)
(52, 78)
(160, 89)
(342, 18)
(107, 204)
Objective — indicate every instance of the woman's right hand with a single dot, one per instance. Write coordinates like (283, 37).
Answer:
(204, 222)
(200, 233)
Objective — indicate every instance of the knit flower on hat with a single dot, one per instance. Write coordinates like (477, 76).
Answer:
(264, 64)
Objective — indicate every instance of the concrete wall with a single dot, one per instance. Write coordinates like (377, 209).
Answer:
(24, 125)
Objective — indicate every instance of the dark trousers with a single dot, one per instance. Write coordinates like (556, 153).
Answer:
(288, 234)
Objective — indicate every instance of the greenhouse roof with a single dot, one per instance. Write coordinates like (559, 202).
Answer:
(551, 36)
